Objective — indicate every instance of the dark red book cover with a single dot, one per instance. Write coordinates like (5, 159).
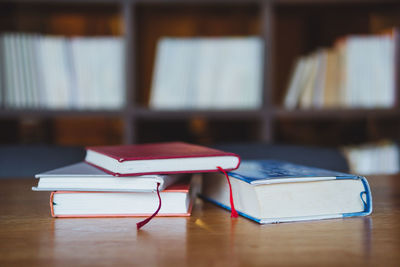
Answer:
(158, 151)
(169, 150)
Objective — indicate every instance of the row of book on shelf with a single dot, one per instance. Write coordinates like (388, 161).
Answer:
(158, 180)
(54, 72)
(359, 71)
(382, 157)
(208, 73)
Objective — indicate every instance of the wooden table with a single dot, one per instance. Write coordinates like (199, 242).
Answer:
(29, 236)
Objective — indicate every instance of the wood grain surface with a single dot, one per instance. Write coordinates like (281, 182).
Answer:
(29, 236)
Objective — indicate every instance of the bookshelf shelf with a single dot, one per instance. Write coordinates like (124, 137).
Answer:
(341, 114)
(289, 28)
(147, 114)
(54, 113)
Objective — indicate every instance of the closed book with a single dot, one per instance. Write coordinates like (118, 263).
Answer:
(155, 158)
(295, 89)
(269, 191)
(84, 177)
(177, 200)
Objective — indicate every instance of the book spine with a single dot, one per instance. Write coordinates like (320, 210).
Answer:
(52, 205)
(367, 202)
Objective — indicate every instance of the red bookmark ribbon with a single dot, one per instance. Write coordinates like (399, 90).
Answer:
(145, 221)
(234, 213)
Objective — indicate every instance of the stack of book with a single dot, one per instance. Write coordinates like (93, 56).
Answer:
(208, 73)
(122, 181)
(55, 72)
(117, 181)
(358, 72)
(373, 158)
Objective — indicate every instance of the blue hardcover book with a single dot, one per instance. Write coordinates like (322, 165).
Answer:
(269, 191)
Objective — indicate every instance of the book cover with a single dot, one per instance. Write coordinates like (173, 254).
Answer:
(269, 191)
(84, 177)
(155, 158)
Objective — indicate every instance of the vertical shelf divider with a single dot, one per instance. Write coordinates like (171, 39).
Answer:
(128, 11)
(267, 31)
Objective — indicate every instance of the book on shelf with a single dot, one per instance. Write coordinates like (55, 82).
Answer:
(155, 158)
(207, 73)
(177, 200)
(55, 72)
(373, 158)
(358, 72)
(269, 191)
(84, 177)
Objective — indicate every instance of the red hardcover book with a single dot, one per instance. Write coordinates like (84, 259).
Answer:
(160, 158)
(177, 200)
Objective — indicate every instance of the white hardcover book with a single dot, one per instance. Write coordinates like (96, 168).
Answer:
(91, 94)
(237, 80)
(178, 75)
(82, 83)
(294, 90)
(204, 81)
(101, 66)
(7, 65)
(80, 77)
(96, 86)
(29, 70)
(240, 73)
(365, 92)
(15, 88)
(308, 82)
(255, 72)
(320, 79)
(33, 72)
(41, 72)
(84, 177)
(368, 65)
(221, 95)
(112, 72)
(88, 62)
(71, 101)
(185, 51)
(63, 92)
(161, 87)
(386, 72)
(55, 72)
(22, 70)
(194, 70)
(350, 72)
(157, 74)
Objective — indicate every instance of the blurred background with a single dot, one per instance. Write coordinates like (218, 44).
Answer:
(294, 78)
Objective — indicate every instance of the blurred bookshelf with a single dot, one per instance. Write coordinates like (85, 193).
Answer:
(288, 29)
